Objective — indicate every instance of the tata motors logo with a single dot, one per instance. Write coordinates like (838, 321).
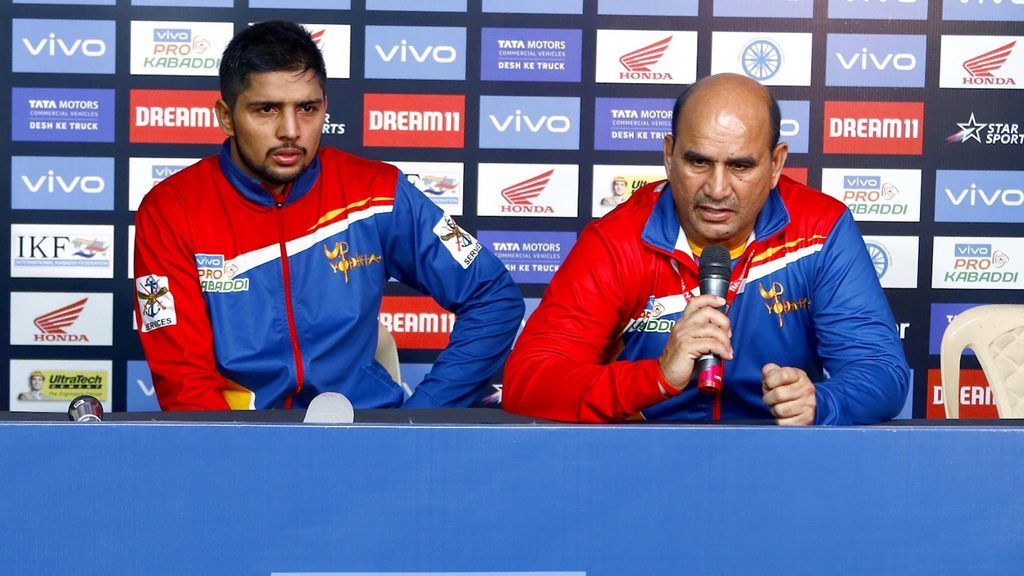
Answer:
(531, 122)
(528, 190)
(531, 54)
(178, 48)
(646, 57)
(63, 46)
(62, 251)
(887, 60)
(873, 128)
(972, 263)
(876, 195)
(415, 52)
(979, 196)
(62, 183)
(174, 117)
(531, 257)
(989, 133)
(61, 319)
(62, 115)
(985, 62)
(414, 120)
(632, 123)
(777, 59)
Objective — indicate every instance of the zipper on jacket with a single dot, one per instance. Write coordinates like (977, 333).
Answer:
(287, 281)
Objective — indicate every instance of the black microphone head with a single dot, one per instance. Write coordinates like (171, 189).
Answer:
(715, 261)
(85, 408)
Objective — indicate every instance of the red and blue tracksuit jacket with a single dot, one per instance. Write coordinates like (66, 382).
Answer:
(810, 299)
(245, 301)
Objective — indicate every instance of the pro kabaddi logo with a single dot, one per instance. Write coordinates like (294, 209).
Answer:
(639, 62)
(520, 196)
(981, 67)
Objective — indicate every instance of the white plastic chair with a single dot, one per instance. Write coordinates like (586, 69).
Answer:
(387, 353)
(996, 334)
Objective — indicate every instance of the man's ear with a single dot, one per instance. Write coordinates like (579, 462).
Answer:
(667, 145)
(227, 123)
(778, 161)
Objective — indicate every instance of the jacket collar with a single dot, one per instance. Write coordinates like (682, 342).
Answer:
(663, 231)
(254, 191)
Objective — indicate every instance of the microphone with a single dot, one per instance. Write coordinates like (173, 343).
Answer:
(85, 408)
(330, 408)
(714, 273)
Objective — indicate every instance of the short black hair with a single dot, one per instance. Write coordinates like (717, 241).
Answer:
(271, 46)
(774, 114)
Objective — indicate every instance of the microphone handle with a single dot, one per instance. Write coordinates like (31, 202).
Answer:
(709, 366)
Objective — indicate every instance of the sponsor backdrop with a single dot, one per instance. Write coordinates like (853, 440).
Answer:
(523, 119)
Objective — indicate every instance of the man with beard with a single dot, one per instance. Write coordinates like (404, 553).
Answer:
(808, 337)
(260, 271)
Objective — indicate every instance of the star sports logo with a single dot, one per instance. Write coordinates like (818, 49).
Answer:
(639, 62)
(520, 196)
(53, 324)
(987, 132)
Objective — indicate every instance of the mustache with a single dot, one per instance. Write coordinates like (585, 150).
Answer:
(293, 147)
(701, 200)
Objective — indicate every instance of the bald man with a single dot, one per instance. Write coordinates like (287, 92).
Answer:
(808, 336)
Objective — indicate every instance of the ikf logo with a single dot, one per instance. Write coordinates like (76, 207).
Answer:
(62, 115)
(979, 196)
(531, 54)
(984, 62)
(531, 122)
(174, 117)
(414, 120)
(441, 182)
(528, 190)
(62, 251)
(145, 173)
(415, 52)
(876, 195)
(335, 43)
(873, 128)
(61, 319)
(62, 183)
(879, 9)
(894, 259)
(774, 59)
(977, 263)
(887, 60)
(63, 46)
(990, 10)
(646, 57)
(178, 48)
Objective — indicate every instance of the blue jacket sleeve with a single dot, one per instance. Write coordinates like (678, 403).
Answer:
(857, 337)
(424, 248)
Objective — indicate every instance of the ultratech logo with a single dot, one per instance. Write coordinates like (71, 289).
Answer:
(178, 48)
(991, 133)
(174, 117)
(414, 120)
(52, 325)
(520, 196)
(638, 62)
(873, 128)
(982, 68)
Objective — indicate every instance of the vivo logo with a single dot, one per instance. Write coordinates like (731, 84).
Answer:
(996, 2)
(973, 250)
(884, 1)
(789, 127)
(405, 52)
(866, 60)
(209, 261)
(160, 172)
(55, 183)
(172, 35)
(52, 46)
(862, 182)
(556, 124)
(1010, 197)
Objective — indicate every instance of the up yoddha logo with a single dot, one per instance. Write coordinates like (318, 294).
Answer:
(341, 261)
(776, 305)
